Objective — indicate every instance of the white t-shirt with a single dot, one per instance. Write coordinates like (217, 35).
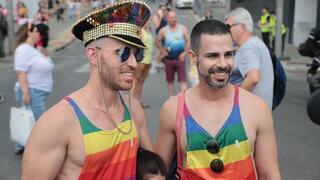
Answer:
(37, 66)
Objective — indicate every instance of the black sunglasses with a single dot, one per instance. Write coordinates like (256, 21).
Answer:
(124, 54)
(229, 26)
(213, 147)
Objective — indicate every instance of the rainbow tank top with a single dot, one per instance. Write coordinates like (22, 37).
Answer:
(235, 148)
(109, 154)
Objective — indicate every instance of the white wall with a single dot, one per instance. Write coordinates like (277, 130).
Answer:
(305, 18)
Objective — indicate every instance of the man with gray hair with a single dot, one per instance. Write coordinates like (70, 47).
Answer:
(253, 69)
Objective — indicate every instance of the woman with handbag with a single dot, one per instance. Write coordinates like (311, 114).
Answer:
(34, 73)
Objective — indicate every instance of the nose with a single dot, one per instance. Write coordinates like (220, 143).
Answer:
(222, 61)
(132, 61)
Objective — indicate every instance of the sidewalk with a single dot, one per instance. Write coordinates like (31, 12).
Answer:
(60, 34)
(295, 62)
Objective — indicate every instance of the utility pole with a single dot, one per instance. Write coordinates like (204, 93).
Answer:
(11, 29)
(279, 13)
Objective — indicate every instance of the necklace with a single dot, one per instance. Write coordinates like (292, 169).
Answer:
(108, 114)
(95, 107)
(105, 104)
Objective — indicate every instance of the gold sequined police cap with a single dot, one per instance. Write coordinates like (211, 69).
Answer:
(122, 21)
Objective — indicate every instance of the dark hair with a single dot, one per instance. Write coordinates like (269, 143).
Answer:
(22, 33)
(149, 162)
(211, 27)
(44, 33)
(266, 8)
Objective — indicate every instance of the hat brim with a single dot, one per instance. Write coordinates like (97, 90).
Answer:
(129, 40)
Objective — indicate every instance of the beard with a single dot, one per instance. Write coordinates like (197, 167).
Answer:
(110, 78)
(216, 83)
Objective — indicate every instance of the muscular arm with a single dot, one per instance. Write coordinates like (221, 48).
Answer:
(166, 139)
(266, 156)
(251, 80)
(47, 146)
(139, 116)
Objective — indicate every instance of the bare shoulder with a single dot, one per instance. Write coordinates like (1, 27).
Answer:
(168, 111)
(59, 113)
(253, 108)
(58, 120)
(249, 100)
(135, 109)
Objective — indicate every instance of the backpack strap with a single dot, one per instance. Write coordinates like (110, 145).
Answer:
(179, 120)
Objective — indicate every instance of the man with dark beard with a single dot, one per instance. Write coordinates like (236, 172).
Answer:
(95, 132)
(204, 126)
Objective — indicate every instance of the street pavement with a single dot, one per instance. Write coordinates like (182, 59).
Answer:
(297, 137)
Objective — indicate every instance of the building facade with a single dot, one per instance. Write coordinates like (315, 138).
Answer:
(300, 16)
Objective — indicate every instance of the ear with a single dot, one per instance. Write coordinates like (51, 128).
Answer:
(192, 57)
(92, 54)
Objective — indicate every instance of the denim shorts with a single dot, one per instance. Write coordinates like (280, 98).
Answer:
(37, 100)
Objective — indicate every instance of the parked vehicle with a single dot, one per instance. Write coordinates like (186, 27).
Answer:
(311, 48)
(184, 3)
(313, 107)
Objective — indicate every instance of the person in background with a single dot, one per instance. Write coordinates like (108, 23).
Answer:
(273, 24)
(96, 4)
(3, 29)
(253, 69)
(150, 166)
(42, 17)
(34, 73)
(159, 20)
(77, 9)
(43, 29)
(142, 70)
(176, 44)
(264, 26)
(71, 10)
(21, 14)
(59, 10)
(43, 41)
(208, 14)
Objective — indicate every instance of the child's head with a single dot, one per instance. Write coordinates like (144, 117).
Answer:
(150, 166)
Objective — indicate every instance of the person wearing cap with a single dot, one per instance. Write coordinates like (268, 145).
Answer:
(95, 132)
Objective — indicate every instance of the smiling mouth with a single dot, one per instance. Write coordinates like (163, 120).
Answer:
(127, 73)
(220, 74)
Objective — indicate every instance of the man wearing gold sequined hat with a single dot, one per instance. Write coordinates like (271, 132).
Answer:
(94, 133)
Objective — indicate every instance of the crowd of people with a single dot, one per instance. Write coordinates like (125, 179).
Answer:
(96, 130)
(32, 63)
(267, 25)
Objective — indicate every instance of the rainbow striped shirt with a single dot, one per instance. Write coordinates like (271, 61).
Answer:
(235, 148)
(109, 154)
